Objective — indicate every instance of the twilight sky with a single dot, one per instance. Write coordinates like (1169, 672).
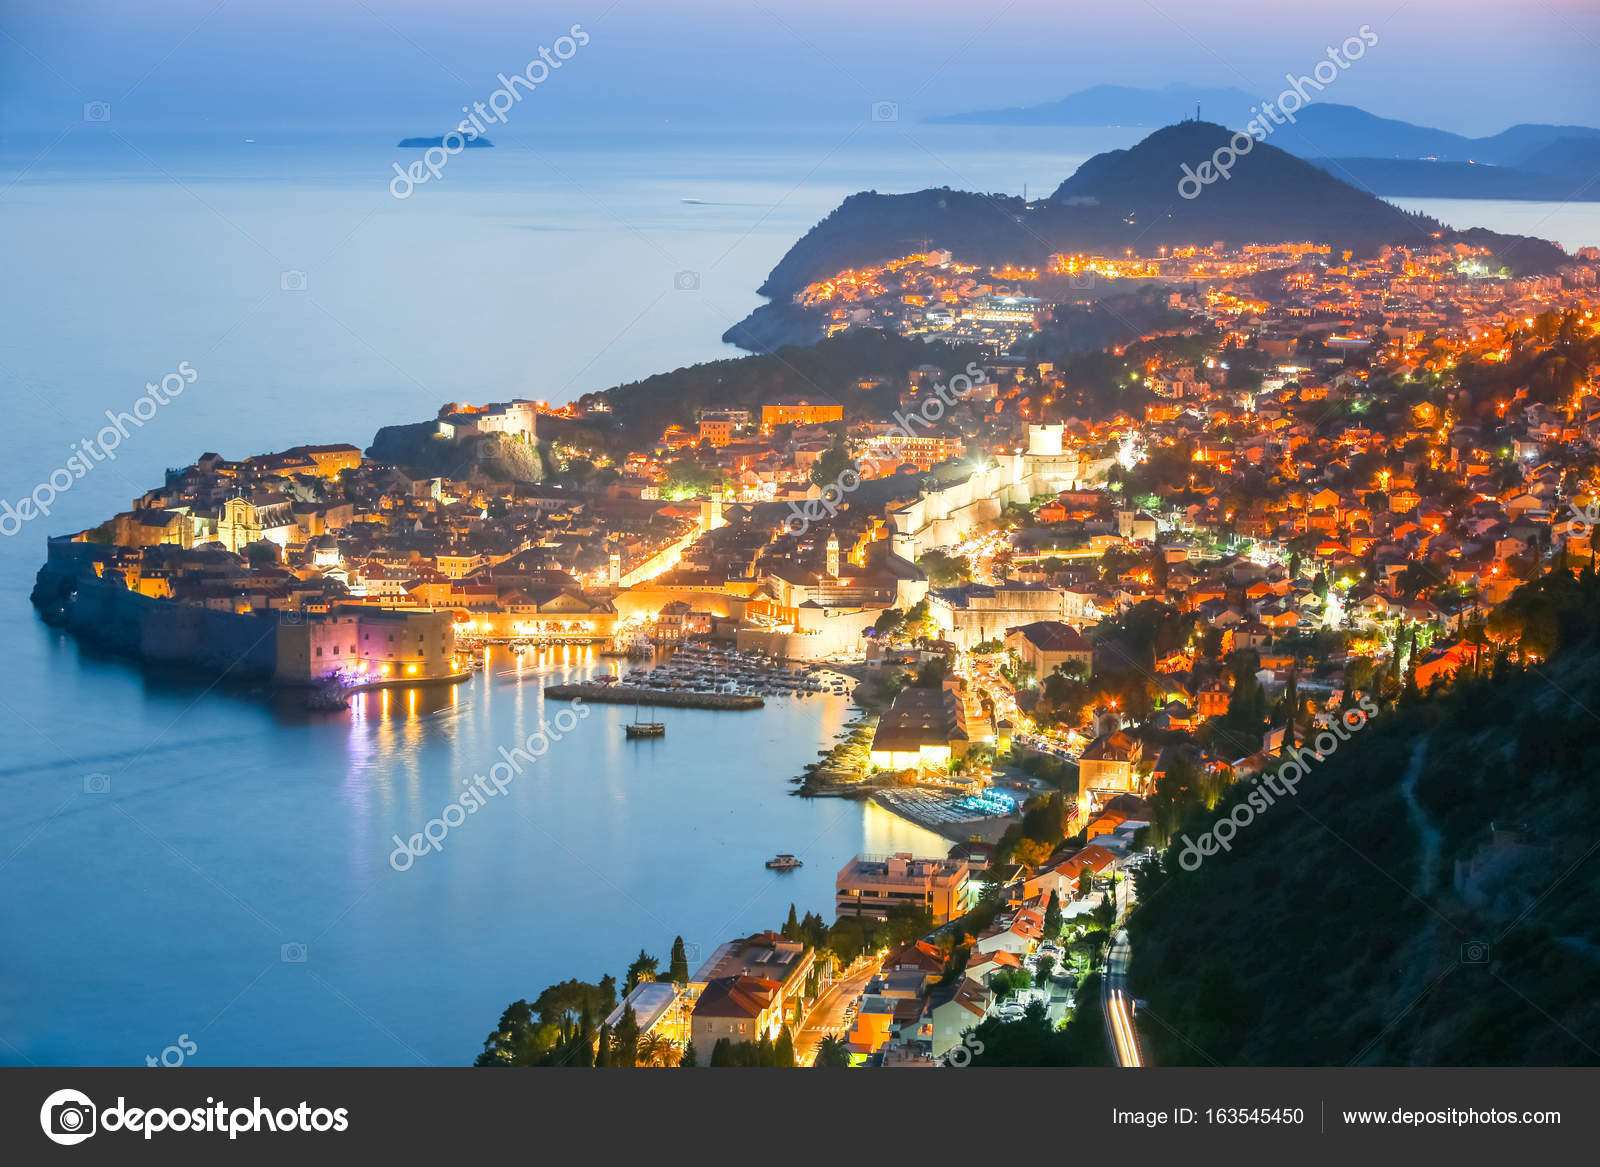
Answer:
(1474, 66)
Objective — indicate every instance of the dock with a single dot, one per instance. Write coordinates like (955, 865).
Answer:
(668, 698)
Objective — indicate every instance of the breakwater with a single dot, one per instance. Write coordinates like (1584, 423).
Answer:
(671, 698)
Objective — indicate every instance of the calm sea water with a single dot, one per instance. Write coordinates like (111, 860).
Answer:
(315, 307)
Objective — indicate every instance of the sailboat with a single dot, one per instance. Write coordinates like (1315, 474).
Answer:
(637, 728)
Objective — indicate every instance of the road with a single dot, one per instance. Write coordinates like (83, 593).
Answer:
(1114, 1002)
(827, 1016)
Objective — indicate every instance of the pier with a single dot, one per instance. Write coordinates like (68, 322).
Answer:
(671, 698)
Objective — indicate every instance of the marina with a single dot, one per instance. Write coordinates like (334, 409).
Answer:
(698, 668)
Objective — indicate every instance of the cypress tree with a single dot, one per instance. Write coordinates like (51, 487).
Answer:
(627, 1039)
(678, 972)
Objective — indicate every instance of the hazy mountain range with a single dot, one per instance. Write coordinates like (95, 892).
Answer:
(1384, 155)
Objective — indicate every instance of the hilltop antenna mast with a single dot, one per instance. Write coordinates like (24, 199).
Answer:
(1197, 109)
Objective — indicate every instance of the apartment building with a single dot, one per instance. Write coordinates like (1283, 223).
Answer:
(873, 885)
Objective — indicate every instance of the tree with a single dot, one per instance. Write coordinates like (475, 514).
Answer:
(678, 972)
(602, 1052)
(1032, 1041)
(783, 1049)
(261, 554)
(1106, 914)
(833, 1053)
(626, 1047)
(641, 970)
(1052, 915)
(945, 570)
(831, 464)
(685, 478)
(918, 624)
(1031, 852)
(1085, 883)
(1007, 982)
(690, 1057)
(655, 1050)
(518, 1040)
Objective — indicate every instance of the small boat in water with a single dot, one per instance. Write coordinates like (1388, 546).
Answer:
(637, 728)
(784, 863)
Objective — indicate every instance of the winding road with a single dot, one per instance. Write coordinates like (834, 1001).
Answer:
(1115, 1004)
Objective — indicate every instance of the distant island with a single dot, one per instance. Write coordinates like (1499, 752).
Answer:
(429, 143)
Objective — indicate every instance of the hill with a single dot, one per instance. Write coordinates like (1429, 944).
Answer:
(640, 410)
(1428, 897)
(1116, 200)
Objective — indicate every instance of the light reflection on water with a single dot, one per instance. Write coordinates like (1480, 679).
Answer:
(163, 906)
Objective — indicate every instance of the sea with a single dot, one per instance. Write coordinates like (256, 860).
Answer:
(192, 864)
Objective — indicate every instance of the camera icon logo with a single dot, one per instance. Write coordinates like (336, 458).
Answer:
(97, 111)
(686, 281)
(293, 953)
(885, 111)
(68, 1117)
(97, 783)
(292, 281)
(1084, 278)
(1475, 952)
